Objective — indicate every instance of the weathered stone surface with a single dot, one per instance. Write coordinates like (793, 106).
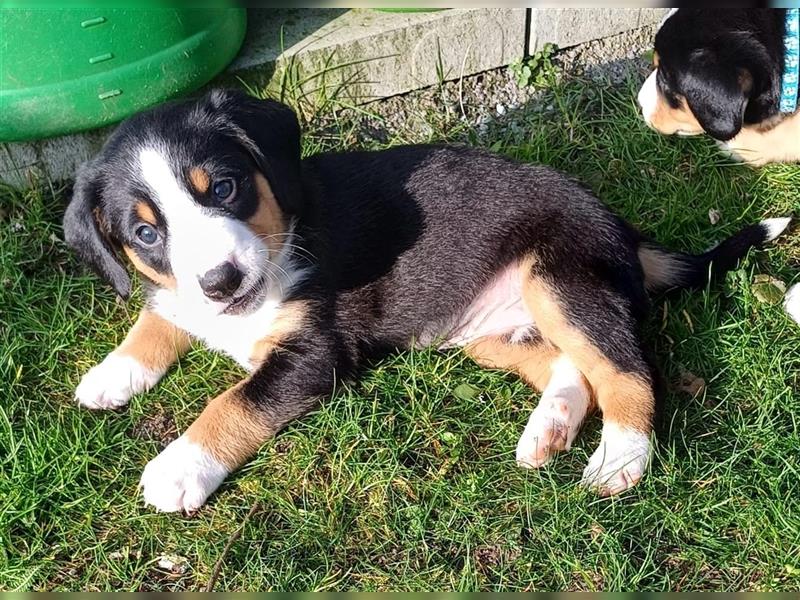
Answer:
(51, 159)
(567, 27)
(381, 54)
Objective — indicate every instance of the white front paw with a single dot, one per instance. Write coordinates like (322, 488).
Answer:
(181, 477)
(619, 461)
(729, 151)
(114, 381)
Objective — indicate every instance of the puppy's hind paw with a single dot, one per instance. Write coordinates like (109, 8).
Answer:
(555, 422)
(551, 428)
(619, 461)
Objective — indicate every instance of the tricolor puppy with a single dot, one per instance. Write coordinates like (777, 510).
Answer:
(731, 73)
(305, 270)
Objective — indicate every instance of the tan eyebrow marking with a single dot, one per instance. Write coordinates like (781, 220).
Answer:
(199, 179)
(145, 212)
(165, 281)
(268, 222)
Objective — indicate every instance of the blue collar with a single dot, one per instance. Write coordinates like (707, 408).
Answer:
(791, 61)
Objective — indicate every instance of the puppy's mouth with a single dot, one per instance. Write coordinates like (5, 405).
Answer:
(247, 300)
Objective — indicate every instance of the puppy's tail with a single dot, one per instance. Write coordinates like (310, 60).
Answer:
(665, 270)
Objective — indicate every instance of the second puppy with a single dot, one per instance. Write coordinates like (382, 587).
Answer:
(731, 73)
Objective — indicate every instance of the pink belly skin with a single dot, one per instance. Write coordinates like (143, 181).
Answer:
(498, 310)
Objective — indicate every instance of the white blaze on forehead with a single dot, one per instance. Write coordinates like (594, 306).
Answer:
(197, 239)
(648, 96)
(158, 175)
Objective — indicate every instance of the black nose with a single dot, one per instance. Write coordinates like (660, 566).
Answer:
(221, 281)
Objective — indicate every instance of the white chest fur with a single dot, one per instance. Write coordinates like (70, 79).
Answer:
(235, 335)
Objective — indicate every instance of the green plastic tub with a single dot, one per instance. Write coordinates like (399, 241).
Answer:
(68, 70)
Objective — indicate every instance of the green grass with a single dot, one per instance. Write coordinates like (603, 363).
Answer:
(398, 482)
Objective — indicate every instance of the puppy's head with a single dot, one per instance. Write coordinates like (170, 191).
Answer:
(199, 196)
(708, 67)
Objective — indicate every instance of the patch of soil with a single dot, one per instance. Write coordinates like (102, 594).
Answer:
(493, 555)
(159, 427)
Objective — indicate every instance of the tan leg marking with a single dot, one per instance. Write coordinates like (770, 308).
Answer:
(227, 433)
(624, 398)
(290, 319)
(150, 347)
(268, 220)
(230, 430)
(530, 361)
(162, 279)
(199, 179)
(566, 397)
(760, 144)
(154, 342)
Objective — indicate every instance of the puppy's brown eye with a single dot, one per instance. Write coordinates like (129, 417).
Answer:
(224, 190)
(147, 235)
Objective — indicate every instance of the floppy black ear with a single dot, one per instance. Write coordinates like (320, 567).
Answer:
(84, 233)
(269, 130)
(722, 80)
(717, 96)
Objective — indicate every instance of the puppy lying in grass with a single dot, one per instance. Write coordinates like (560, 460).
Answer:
(305, 270)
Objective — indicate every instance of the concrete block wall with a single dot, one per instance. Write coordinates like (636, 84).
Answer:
(377, 54)
(393, 53)
(566, 27)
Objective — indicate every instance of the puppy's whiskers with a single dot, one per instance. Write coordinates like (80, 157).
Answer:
(288, 244)
(267, 269)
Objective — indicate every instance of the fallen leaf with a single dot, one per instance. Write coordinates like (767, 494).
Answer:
(768, 289)
(466, 391)
(714, 215)
(690, 383)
